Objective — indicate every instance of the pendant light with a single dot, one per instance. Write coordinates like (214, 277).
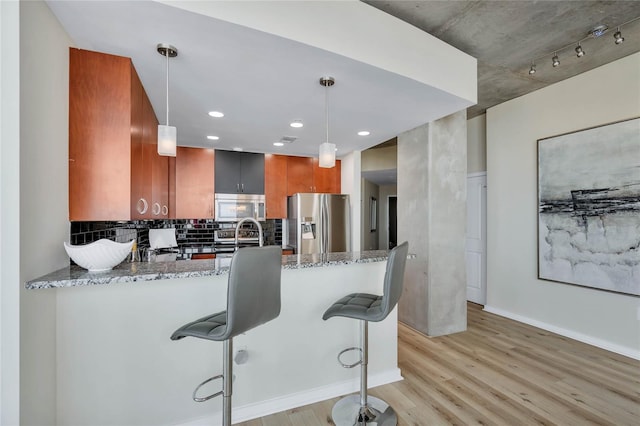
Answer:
(167, 135)
(327, 158)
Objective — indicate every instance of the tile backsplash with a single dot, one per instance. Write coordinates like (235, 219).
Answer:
(194, 233)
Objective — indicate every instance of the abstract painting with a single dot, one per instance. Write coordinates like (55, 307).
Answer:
(589, 207)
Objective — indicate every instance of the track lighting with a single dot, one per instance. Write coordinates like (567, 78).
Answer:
(618, 36)
(594, 33)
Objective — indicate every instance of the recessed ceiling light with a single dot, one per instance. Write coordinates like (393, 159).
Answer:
(213, 138)
(278, 144)
(238, 149)
(296, 124)
(216, 114)
(364, 133)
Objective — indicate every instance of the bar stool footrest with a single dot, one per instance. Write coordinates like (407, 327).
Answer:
(348, 350)
(208, 397)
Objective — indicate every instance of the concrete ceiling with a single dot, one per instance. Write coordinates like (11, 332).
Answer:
(505, 36)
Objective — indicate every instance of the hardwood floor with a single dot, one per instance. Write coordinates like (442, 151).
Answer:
(498, 372)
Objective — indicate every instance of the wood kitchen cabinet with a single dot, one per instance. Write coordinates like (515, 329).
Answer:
(194, 183)
(157, 178)
(326, 180)
(239, 172)
(304, 175)
(114, 169)
(275, 185)
(299, 175)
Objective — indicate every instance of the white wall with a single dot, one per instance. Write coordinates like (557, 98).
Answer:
(604, 95)
(380, 159)
(9, 213)
(477, 144)
(44, 88)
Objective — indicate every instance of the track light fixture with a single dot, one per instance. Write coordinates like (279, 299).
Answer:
(593, 33)
(617, 36)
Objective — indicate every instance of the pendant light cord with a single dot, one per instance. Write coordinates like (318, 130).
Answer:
(326, 108)
(167, 55)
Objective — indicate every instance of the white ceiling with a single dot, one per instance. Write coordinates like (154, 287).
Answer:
(260, 81)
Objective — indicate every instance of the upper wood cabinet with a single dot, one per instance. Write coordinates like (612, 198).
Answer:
(326, 180)
(304, 175)
(299, 175)
(114, 169)
(158, 175)
(194, 183)
(239, 172)
(275, 185)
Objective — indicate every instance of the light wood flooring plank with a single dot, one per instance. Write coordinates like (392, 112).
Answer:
(498, 372)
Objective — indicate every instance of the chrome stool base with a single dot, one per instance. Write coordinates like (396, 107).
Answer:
(347, 412)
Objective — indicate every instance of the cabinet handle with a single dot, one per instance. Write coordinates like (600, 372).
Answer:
(156, 209)
(165, 210)
(242, 185)
(237, 187)
(142, 206)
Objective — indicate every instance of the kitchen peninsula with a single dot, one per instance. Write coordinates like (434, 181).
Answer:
(117, 365)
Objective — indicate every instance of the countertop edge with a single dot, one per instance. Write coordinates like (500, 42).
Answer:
(75, 276)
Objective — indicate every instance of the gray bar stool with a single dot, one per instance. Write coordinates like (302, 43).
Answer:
(253, 298)
(360, 409)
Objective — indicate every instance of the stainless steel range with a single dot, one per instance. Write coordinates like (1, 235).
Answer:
(224, 240)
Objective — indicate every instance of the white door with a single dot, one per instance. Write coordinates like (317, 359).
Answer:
(476, 254)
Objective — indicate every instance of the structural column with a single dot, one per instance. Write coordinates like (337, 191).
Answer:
(432, 195)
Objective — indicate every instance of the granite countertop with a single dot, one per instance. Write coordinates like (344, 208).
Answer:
(73, 276)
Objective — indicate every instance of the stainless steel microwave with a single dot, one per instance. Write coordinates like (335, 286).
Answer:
(235, 207)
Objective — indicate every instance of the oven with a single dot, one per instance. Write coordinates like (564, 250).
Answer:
(235, 207)
(224, 240)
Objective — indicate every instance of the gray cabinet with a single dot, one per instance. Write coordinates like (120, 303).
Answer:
(239, 172)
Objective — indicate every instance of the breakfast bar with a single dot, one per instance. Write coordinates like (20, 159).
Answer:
(117, 365)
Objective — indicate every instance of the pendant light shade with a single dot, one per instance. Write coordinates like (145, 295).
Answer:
(167, 140)
(327, 154)
(167, 135)
(327, 157)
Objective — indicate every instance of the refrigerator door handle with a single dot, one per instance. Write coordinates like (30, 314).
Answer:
(325, 223)
(322, 229)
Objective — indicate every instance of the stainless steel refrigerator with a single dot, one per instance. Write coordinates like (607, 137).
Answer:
(319, 223)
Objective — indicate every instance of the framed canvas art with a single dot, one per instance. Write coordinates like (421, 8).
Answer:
(589, 207)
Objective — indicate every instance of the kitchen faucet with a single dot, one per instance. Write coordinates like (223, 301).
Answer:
(249, 219)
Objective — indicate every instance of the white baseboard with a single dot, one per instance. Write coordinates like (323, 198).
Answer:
(299, 399)
(622, 350)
